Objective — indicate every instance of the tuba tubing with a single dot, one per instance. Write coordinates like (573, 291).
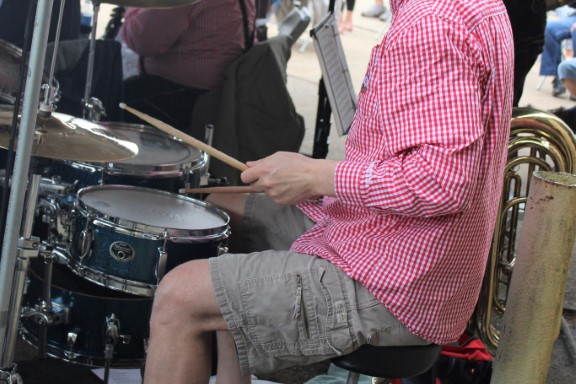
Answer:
(539, 140)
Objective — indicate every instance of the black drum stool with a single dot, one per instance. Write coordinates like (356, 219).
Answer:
(389, 362)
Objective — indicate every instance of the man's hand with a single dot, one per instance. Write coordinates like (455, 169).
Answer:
(290, 178)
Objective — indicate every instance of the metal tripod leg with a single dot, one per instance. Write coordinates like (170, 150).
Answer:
(28, 247)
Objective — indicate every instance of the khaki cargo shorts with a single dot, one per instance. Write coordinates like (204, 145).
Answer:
(286, 309)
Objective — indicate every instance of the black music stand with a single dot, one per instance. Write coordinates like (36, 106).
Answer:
(336, 92)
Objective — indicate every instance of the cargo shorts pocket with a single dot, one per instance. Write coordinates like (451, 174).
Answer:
(296, 313)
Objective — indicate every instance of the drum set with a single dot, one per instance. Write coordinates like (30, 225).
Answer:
(102, 223)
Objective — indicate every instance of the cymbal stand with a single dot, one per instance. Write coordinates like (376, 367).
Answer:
(93, 108)
(47, 104)
(17, 250)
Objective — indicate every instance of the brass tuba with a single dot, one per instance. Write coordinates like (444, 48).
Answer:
(538, 141)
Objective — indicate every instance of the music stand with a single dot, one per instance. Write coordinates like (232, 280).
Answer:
(335, 85)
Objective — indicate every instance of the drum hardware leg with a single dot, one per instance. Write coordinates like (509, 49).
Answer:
(27, 248)
(47, 299)
(43, 313)
(208, 180)
(111, 335)
(10, 377)
(93, 108)
(208, 139)
(50, 92)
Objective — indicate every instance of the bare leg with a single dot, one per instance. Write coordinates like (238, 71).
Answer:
(228, 365)
(347, 22)
(184, 314)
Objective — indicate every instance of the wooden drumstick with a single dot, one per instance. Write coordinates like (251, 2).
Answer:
(187, 138)
(229, 189)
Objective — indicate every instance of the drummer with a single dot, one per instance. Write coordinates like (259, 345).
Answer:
(13, 14)
(183, 54)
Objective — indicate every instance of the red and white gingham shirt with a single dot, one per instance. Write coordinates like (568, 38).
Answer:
(190, 45)
(417, 193)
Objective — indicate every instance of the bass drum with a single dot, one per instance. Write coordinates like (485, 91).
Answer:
(83, 312)
(163, 162)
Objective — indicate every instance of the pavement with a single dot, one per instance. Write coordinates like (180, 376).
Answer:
(303, 81)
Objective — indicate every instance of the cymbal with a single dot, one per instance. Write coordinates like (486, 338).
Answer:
(64, 137)
(151, 3)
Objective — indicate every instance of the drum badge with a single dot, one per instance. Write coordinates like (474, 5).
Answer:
(122, 251)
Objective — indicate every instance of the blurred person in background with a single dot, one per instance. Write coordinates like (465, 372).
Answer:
(183, 52)
(556, 31)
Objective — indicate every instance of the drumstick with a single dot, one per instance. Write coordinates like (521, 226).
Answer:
(187, 138)
(231, 189)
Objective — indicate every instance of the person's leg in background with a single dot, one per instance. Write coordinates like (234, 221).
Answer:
(375, 10)
(378, 10)
(525, 57)
(567, 75)
(556, 31)
(347, 15)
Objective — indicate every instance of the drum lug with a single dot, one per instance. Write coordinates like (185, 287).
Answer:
(86, 238)
(161, 265)
(112, 332)
(126, 339)
(71, 338)
(112, 329)
(222, 249)
(45, 314)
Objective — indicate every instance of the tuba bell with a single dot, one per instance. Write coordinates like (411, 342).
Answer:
(538, 141)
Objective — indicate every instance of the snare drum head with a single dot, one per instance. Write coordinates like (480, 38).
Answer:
(152, 208)
(154, 146)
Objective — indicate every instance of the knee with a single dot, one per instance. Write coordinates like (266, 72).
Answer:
(184, 295)
(168, 305)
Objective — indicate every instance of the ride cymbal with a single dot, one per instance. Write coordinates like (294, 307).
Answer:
(151, 3)
(65, 137)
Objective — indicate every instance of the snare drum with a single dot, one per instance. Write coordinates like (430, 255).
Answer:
(10, 60)
(83, 311)
(163, 162)
(126, 238)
